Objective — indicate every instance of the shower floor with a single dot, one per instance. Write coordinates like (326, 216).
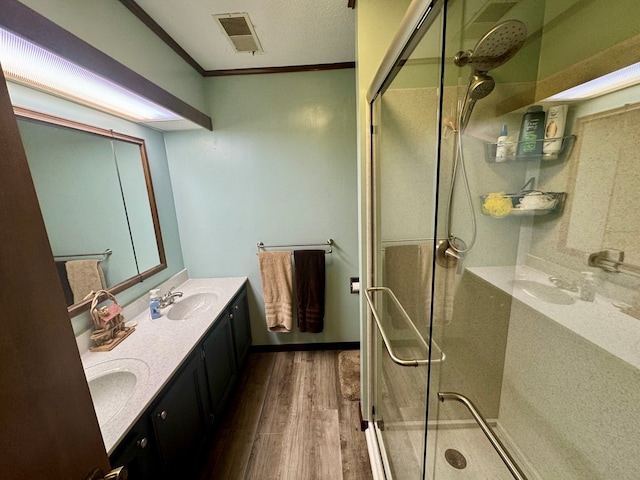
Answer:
(404, 450)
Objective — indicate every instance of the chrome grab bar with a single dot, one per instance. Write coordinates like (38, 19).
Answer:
(495, 441)
(387, 343)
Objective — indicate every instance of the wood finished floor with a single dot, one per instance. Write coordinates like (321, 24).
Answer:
(288, 420)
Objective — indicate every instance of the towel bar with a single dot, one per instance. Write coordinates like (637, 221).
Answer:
(330, 243)
(387, 343)
(104, 255)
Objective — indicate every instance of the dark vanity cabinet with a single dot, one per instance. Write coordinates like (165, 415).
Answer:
(181, 416)
(169, 437)
(220, 363)
(241, 326)
(138, 452)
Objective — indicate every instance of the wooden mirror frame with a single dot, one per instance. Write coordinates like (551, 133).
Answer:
(47, 119)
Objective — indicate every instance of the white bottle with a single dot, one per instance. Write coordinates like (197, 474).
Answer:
(588, 287)
(554, 131)
(501, 146)
(154, 303)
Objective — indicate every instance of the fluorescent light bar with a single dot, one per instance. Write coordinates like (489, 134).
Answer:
(623, 78)
(30, 65)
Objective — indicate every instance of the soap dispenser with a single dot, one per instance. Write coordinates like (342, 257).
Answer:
(588, 287)
(154, 303)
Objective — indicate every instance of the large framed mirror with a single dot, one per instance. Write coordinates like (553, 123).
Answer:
(96, 196)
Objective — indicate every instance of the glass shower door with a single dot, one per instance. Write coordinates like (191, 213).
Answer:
(406, 119)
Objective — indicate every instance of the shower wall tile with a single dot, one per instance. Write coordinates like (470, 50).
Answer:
(474, 344)
(569, 407)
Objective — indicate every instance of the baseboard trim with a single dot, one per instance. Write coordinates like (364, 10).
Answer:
(305, 347)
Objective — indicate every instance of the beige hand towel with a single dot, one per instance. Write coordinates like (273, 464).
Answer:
(277, 287)
(84, 276)
(409, 274)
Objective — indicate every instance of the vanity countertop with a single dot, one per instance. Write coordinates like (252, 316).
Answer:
(599, 322)
(155, 351)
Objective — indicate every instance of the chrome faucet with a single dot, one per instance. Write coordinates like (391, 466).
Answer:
(563, 284)
(169, 297)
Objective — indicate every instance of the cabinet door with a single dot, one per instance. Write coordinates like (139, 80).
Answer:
(180, 418)
(241, 327)
(220, 363)
(138, 452)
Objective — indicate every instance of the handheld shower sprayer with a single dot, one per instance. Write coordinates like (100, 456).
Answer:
(495, 48)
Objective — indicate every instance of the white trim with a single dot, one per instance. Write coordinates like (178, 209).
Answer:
(377, 469)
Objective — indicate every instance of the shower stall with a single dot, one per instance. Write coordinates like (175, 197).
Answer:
(487, 354)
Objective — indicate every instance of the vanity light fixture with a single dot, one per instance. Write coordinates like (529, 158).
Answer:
(617, 80)
(28, 64)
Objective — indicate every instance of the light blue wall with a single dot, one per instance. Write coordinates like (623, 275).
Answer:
(77, 185)
(28, 98)
(279, 167)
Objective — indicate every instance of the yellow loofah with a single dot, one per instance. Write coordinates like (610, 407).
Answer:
(497, 205)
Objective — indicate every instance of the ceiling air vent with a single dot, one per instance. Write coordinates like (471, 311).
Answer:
(239, 29)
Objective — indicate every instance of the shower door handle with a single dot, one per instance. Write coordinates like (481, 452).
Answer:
(385, 338)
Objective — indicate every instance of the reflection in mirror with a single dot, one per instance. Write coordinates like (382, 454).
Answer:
(95, 194)
(604, 184)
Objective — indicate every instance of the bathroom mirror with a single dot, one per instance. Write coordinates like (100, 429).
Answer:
(96, 196)
(604, 183)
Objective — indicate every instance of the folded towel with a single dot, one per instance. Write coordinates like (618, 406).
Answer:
(409, 274)
(84, 276)
(310, 273)
(276, 278)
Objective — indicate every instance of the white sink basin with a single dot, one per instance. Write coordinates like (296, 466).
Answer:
(192, 306)
(113, 383)
(546, 293)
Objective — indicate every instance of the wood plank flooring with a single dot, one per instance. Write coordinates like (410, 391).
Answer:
(288, 421)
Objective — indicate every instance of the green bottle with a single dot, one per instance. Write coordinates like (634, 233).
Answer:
(531, 138)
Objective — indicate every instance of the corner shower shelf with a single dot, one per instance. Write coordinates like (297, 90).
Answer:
(512, 147)
(517, 209)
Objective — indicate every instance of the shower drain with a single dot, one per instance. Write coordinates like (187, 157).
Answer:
(455, 458)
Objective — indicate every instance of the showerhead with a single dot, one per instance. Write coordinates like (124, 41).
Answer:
(495, 48)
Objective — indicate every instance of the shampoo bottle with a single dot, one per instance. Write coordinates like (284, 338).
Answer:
(554, 131)
(531, 134)
(501, 147)
(154, 303)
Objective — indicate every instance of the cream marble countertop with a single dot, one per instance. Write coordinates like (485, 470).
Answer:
(599, 322)
(156, 349)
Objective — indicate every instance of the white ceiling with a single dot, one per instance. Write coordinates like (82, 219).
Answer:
(292, 32)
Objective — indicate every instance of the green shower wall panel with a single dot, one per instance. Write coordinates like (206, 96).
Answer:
(279, 167)
(591, 25)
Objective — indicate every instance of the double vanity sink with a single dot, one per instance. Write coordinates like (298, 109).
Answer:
(126, 381)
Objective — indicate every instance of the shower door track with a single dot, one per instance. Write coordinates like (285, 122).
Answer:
(502, 452)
